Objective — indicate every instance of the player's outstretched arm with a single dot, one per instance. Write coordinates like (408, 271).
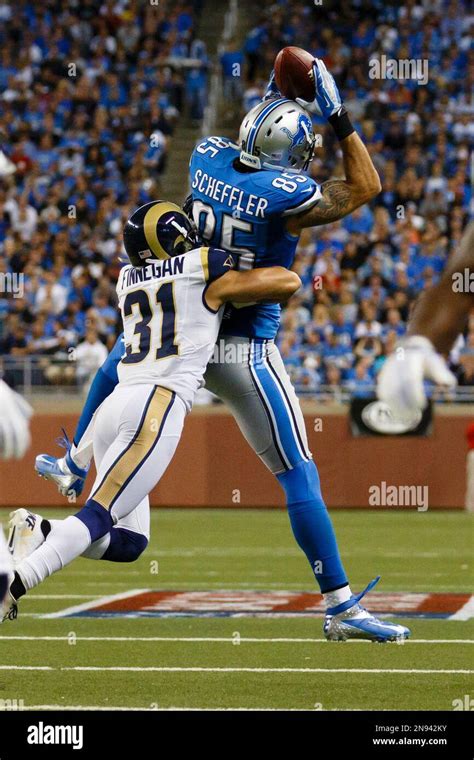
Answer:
(361, 183)
(441, 312)
(342, 197)
(265, 284)
(439, 316)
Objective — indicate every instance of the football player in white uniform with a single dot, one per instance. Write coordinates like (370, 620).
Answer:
(15, 415)
(171, 298)
(15, 438)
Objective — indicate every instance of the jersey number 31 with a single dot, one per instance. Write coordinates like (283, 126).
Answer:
(140, 300)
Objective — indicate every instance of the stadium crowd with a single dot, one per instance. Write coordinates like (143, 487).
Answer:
(361, 275)
(88, 104)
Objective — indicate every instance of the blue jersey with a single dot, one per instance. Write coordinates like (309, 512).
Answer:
(245, 212)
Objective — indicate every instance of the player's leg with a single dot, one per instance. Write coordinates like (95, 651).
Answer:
(143, 425)
(6, 567)
(259, 393)
(69, 472)
(128, 539)
(124, 543)
(258, 390)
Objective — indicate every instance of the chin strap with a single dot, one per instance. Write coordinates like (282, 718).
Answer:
(353, 600)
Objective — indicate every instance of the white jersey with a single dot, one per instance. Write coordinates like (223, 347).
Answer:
(169, 331)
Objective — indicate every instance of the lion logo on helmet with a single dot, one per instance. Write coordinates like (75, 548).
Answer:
(303, 132)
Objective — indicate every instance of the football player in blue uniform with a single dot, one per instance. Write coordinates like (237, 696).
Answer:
(254, 199)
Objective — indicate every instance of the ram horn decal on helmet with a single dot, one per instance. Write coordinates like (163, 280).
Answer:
(158, 230)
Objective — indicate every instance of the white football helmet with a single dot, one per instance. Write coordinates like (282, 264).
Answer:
(277, 134)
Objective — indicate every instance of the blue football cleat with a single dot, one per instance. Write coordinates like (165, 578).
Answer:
(68, 477)
(350, 620)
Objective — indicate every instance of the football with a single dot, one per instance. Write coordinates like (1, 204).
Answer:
(294, 73)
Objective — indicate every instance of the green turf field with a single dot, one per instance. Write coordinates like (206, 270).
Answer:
(245, 662)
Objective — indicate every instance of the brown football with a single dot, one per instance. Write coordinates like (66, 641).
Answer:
(294, 73)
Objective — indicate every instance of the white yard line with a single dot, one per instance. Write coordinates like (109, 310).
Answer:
(27, 667)
(92, 602)
(102, 708)
(221, 639)
(34, 597)
(199, 669)
(89, 707)
(170, 669)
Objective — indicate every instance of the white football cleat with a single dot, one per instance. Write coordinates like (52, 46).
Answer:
(9, 608)
(8, 605)
(25, 534)
(349, 620)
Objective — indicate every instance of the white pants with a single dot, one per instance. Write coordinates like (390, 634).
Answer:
(135, 434)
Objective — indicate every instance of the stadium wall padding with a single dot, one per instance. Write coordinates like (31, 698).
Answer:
(215, 467)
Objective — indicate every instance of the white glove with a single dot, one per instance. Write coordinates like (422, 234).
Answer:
(15, 415)
(400, 381)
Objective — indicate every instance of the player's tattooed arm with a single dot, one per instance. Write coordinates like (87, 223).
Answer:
(336, 202)
(264, 284)
(342, 197)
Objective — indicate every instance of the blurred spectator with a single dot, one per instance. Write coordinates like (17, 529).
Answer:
(466, 362)
(196, 81)
(89, 356)
(232, 62)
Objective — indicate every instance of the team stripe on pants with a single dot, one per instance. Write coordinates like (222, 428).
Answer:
(287, 438)
(135, 454)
